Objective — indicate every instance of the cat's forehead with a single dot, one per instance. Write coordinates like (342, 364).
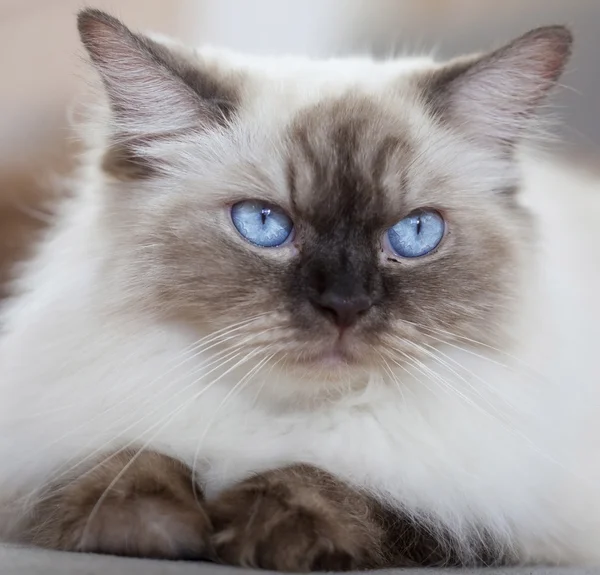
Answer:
(344, 161)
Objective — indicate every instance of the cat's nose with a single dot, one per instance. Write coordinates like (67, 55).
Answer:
(343, 311)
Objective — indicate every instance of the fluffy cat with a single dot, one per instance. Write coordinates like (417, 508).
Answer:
(310, 315)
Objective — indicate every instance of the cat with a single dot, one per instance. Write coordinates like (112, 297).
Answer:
(310, 315)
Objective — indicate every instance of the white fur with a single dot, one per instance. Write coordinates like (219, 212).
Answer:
(515, 448)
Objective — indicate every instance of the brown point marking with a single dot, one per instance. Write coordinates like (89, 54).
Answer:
(301, 518)
(151, 511)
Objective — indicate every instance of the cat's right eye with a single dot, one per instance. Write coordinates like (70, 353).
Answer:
(262, 224)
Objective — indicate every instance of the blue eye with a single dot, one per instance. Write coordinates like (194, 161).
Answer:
(417, 234)
(262, 224)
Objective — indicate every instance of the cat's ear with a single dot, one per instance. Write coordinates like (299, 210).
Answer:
(151, 89)
(495, 96)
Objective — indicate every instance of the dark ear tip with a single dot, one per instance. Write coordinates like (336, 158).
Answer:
(558, 32)
(559, 37)
(89, 19)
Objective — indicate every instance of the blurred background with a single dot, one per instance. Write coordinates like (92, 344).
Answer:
(41, 67)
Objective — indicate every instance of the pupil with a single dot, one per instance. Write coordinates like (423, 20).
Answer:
(264, 214)
(418, 226)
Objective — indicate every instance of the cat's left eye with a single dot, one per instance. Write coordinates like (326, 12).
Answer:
(262, 224)
(416, 235)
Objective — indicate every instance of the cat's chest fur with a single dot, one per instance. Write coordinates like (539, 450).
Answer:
(412, 440)
(426, 443)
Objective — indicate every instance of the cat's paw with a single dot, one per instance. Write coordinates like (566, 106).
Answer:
(147, 509)
(268, 524)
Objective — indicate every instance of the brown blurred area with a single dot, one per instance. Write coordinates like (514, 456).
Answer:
(41, 68)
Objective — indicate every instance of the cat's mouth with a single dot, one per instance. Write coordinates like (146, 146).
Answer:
(334, 358)
(338, 354)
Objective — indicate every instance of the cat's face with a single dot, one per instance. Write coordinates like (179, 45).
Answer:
(323, 224)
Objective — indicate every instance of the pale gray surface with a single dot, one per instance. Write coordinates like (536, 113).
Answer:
(23, 561)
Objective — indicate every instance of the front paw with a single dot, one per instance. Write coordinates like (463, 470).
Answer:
(283, 526)
(142, 506)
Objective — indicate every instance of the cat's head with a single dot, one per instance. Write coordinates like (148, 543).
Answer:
(320, 214)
